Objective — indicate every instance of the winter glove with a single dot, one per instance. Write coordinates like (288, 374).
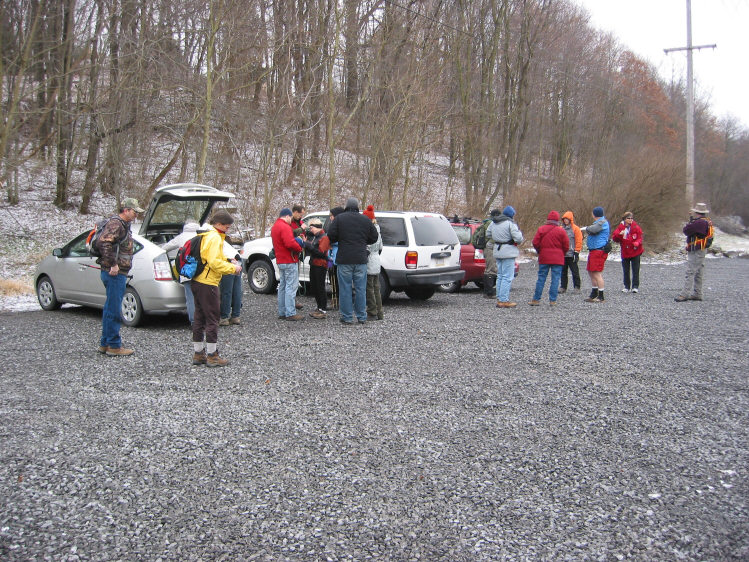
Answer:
(299, 241)
(577, 257)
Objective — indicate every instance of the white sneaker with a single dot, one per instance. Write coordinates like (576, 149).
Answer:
(635, 290)
(625, 290)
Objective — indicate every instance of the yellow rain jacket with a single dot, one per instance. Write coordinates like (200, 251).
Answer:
(212, 253)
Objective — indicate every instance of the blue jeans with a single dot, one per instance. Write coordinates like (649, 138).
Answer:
(505, 275)
(189, 300)
(543, 272)
(287, 286)
(352, 291)
(111, 317)
(231, 295)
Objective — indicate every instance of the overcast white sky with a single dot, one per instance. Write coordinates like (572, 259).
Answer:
(649, 26)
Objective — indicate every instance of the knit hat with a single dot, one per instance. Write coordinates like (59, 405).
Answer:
(495, 213)
(598, 212)
(553, 216)
(285, 212)
(222, 217)
(335, 211)
(508, 211)
(352, 204)
(369, 212)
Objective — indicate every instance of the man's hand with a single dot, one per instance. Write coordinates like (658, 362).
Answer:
(237, 269)
(114, 270)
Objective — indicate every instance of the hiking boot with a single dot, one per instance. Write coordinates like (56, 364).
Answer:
(119, 351)
(103, 349)
(235, 321)
(534, 302)
(318, 314)
(299, 306)
(199, 358)
(562, 291)
(295, 318)
(552, 303)
(213, 360)
(593, 296)
(223, 322)
(681, 298)
(695, 298)
(576, 290)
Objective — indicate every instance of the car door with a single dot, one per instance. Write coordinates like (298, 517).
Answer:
(77, 276)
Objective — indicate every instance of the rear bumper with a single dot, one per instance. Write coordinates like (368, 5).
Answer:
(415, 278)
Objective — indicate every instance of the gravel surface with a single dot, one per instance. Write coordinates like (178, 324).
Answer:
(449, 431)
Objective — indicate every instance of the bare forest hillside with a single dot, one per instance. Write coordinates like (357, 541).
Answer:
(447, 106)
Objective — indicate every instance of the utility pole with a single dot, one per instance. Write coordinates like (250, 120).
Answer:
(689, 193)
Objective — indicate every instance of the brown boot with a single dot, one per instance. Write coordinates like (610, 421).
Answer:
(199, 358)
(119, 351)
(213, 360)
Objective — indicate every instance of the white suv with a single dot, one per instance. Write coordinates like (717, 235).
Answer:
(420, 252)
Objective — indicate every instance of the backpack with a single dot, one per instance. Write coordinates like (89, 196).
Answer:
(479, 237)
(188, 261)
(92, 240)
(701, 243)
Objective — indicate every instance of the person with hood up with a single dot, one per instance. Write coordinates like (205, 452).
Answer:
(189, 229)
(598, 237)
(353, 232)
(506, 236)
(287, 248)
(552, 243)
(572, 257)
(629, 235)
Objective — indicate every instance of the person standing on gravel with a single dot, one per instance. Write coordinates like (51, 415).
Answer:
(551, 242)
(629, 236)
(490, 265)
(116, 248)
(505, 236)
(699, 233)
(598, 238)
(572, 257)
(206, 292)
(189, 229)
(353, 232)
(374, 297)
(317, 245)
(287, 248)
(230, 289)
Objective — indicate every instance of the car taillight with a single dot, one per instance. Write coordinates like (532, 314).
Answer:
(412, 260)
(478, 256)
(161, 269)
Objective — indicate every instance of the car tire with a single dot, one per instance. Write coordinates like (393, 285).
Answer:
(453, 287)
(261, 277)
(420, 293)
(45, 294)
(385, 288)
(131, 309)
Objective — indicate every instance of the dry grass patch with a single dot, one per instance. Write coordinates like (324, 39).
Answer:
(14, 288)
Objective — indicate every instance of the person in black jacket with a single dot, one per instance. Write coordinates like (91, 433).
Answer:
(353, 232)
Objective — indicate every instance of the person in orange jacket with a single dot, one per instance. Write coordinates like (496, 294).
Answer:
(573, 254)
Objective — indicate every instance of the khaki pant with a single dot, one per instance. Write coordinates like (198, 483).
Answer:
(693, 277)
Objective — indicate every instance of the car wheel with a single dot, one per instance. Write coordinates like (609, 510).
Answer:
(449, 287)
(261, 278)
(45, 294)
(420, 293)
(385, 288)
(132, 309)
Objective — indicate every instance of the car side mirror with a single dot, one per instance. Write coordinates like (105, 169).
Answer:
(57, 252)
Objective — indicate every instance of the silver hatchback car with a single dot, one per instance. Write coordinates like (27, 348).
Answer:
(70, 275)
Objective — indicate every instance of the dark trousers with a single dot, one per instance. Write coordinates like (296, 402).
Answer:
(634, 265)
(317, 284)
(207, 307)
(333, 279)
(231, 295)
(571, 264)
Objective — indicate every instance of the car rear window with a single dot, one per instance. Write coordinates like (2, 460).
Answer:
(178, 211)
(463, 232)
(433, 231)
(393, 231)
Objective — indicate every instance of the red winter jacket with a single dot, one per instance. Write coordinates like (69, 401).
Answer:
(286, 248)
(632, 244)
(551, 242)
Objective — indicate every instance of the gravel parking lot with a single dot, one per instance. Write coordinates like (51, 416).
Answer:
(449, 431)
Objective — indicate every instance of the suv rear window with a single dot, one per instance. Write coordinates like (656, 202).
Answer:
(393, 231)
(463, 232)
(178, 211)
(433, 231)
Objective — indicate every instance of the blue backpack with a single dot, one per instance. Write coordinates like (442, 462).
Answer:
(188, 261)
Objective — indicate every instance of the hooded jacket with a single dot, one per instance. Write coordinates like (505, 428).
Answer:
(506, 236)
(551, 242)
(630, 239)
(573, 233)
(212, 253)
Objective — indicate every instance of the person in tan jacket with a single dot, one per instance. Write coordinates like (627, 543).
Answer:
(206, 292)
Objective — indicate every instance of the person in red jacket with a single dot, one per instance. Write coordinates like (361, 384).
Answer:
(552, 243)
(629, 235)
(287, 248)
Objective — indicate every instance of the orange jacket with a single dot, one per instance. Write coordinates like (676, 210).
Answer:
(575, 229)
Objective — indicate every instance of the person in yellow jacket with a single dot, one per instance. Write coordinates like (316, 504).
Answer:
(206, 293)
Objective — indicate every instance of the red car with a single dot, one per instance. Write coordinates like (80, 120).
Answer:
(471, 259)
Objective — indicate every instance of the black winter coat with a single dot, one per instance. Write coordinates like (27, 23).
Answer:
(353, 232)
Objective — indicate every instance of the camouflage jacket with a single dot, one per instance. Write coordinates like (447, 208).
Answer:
(116, 245)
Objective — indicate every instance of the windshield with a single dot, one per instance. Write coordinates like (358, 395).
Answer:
(433, 231)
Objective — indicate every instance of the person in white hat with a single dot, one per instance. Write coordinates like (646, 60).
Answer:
(699, 233)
